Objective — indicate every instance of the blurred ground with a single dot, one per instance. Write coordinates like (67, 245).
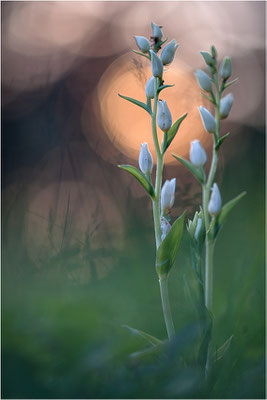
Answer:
(77, 239)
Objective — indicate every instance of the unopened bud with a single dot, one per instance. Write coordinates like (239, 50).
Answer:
(226, 68)
(145, 159)
(215, 203)
(204, 80)
(156, 64)
(167, 194)
(196, 228)
(207, 119)
(208, 58)
(157, 32)
(150, 87)
(142, 43)
(200, 229)
(213, 52)
(164, 118)
(168, 52)
(165, 227)
(226, 105)
(198, 156)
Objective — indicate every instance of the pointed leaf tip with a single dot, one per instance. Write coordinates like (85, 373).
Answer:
(136, 102)
(140, 177)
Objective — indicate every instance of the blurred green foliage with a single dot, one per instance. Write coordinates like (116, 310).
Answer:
(64, 339)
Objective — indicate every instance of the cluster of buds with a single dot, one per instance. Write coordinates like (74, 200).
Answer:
(164, 117)
(205, 83)
(198, 156)
(196, 228)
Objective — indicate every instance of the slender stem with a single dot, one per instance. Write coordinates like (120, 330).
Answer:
(163, 283)
(209, 242)
(206, 195)
(209, 273)
(156, 201)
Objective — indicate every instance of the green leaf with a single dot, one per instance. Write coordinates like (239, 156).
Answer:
(141, 54)
(221, 140)
(220, 352)
(164, 87)
(149, 338)
(228, 207)
(198, 173)
(208, 98)
(159, 44)
(172, 132)
(169, 247)
(226, 85)
(137, 102)
(140, 177)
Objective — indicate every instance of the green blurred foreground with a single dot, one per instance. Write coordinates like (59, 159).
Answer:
(61, 339)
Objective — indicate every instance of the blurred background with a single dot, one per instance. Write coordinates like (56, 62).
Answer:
(77, 232)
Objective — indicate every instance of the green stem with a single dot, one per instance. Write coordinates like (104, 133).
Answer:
(156, 201)
(163, 283)
(206, 196)
(209, 242)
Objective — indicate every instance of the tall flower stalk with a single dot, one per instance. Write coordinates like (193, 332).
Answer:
(212, 214)
(167, 236)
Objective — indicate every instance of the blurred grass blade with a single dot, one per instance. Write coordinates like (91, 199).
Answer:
(228, 207)
(203, 349)
(172, 132)
(197, 172)
(149, 338)
(140, 177)
(136, 102)
(219, 353)
(147, 354)
(169, 247)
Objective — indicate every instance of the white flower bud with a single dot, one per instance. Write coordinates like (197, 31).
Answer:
(226, 105)
(150, 87)
(198, 156)
(156, 64)
(165, 227)
(204, 80)
(199, 228)
(168, 52)
(215, 203)
(167, 194)
(164, 118)
(142, 43)
(226, 68)
(207, 119)
(145, 159)
(157, 33)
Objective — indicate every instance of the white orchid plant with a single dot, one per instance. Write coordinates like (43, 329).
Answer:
(207, 222)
